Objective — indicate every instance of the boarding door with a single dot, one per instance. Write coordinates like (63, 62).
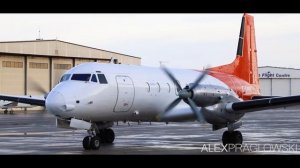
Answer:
(125, 94)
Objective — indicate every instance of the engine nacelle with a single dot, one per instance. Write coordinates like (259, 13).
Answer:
(207, 95)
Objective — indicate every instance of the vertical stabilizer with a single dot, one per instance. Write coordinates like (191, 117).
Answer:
(245, 64)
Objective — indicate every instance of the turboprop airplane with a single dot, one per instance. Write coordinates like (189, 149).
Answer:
(8, 106)
(92, 96)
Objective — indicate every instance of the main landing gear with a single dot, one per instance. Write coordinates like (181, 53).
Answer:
(93, 141)
(232, 137)
(10, 112)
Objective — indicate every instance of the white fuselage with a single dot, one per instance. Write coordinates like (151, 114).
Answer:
(131, 93)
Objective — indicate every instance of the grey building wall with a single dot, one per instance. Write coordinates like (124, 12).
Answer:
(279, 81)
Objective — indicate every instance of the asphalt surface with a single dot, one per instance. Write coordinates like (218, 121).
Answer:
(267, 132)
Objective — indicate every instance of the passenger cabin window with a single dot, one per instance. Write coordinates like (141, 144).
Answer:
(102, 79)
(65, 77)
(94, 79)
(168, 87)
(158, 86)
(81, 77)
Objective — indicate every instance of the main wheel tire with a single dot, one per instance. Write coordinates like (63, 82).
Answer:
(234, 137)
(226, 138)
(86, 143)
(237, 137)
(95, 143)
(5, 111)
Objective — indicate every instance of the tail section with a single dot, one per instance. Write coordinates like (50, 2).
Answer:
(242, 73)
(245, 64)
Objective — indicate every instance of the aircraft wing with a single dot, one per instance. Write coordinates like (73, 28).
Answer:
(263, 104)
(39, 101)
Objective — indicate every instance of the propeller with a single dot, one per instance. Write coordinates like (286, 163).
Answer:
(185, 94)
(38, 87)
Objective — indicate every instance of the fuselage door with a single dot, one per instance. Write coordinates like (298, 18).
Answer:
(125, 94)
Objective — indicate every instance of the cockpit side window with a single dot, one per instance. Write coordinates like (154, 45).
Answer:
(94, 79)
(81, 77)
(102, 79)
(65, 77)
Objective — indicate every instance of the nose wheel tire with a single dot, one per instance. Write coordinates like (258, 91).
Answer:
(86, 142)
(232, 137)
(89, 143)
(107, 136)
(95, 143)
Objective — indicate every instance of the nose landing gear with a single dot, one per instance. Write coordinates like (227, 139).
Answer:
(93, 141)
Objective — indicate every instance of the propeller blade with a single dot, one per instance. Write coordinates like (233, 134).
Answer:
(171, 76)
(173, 104)
(198, 79)
(170, 107)
(45, 95)
(38, 87)
(196, 110)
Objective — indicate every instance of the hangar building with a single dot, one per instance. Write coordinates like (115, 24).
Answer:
(28, 67)
(278, 81)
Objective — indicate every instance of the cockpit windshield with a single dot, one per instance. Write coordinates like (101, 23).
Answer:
(81, 77)
(65, 77)
(85, 77)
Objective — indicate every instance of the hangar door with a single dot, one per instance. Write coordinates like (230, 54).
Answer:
(295, 86)
(265, 87)
(12, 76)
(125, 94)
(281, 87)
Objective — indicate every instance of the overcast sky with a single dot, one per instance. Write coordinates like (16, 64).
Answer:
(179, 40)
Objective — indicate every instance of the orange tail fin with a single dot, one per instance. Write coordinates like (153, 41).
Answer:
(245, 64)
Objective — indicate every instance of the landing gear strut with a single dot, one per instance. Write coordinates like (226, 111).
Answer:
(93, 141)
(232, 137)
